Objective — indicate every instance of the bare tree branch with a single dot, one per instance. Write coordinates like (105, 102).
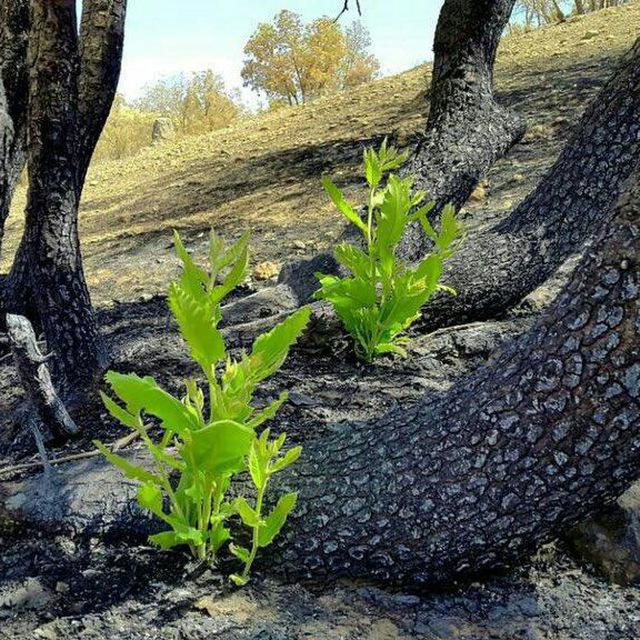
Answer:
(345, 8)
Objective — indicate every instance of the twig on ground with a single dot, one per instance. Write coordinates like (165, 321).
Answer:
(118, 445)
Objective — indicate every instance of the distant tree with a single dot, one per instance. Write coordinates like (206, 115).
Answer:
(358, 65)
(291, 61)
(127, 131)
(540, 12)
(196, 103)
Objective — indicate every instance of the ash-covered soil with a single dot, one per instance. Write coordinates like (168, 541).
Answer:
(265, 173)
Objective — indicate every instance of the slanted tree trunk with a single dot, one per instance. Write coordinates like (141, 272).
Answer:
(72, 85)
(570, 205)
(508, 458)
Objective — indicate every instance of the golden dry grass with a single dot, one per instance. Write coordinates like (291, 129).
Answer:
(264, 172)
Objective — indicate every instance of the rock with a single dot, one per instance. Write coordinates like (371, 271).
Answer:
(611, 542)
(590, 34)
(163, 131)
(479, 194)
(298, 244)
(30, 594)
(266, 270)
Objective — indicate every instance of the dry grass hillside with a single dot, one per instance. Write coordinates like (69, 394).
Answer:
(264, 172)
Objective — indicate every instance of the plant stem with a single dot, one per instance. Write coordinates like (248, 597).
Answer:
(256, 532)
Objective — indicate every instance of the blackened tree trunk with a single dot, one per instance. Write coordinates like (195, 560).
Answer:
(571, 204)
(14, 29)
(512, 455)
(467, 130)
(50, 244)
(72, 83)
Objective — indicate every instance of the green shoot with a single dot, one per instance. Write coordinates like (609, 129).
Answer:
(383, 296)
(206, 441)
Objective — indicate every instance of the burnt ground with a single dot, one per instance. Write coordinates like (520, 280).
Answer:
(58, 587)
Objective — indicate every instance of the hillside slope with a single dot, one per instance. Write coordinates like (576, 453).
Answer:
(264, 172)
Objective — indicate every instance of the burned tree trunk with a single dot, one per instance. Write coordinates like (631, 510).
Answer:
(72, 82)
(571, 204)
(50, 245)
(469, 481)
(527, 445)
(467, 130)
(14, 28)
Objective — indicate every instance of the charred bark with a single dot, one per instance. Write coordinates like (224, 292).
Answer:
(467, 130)
(14, 92)
(527, 445)
(572, 202)
(469, 481)
(101, 43)
(72, 84)
(50, 248)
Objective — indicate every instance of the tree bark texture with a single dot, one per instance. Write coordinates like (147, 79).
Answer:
(72, 81)
(572, 202)
(482, 475)
(467, 130)
(14, 93)
(50, 250)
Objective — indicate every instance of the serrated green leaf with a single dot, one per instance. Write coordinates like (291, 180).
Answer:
(275, 520)
(197, 327)
(165, 540)
(287, 460)
(239, 253)
(130, 470)
(353, 259)
(126, 418)
(194, 279)
(342, 205)
(144, 394)
(150, 498)
(271, 349)
(269, 412)
(248, 516)
(239, 552)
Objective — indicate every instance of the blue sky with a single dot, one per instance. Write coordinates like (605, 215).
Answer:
(164, 37)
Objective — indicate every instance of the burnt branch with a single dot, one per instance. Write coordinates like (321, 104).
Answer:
(46, 408)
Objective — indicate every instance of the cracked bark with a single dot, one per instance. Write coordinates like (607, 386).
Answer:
(524, 447)
(469, 481)
(72, 82)
(572, 202)
(14, 27)
(467, 130)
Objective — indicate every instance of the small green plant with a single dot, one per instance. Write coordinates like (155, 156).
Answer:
(205, 442)
(384, 296)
